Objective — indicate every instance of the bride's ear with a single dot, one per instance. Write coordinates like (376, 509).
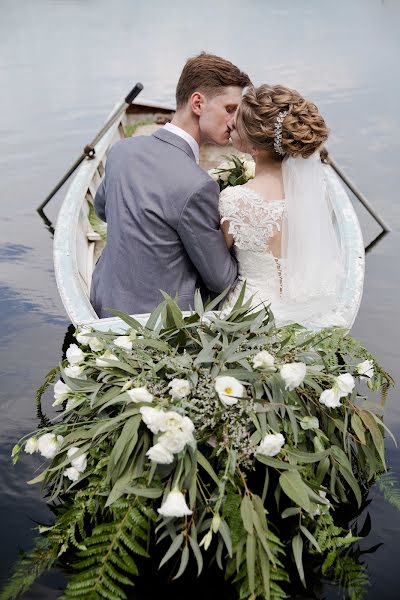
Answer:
(196, 103)
(254, 152)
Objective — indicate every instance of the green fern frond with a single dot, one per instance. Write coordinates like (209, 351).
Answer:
(390, 488)
(107, 564)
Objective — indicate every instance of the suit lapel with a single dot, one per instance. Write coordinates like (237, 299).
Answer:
(174, 140)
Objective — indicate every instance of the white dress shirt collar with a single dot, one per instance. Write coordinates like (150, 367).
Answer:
(185, 136)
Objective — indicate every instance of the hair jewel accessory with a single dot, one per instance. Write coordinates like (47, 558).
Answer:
(278, 132)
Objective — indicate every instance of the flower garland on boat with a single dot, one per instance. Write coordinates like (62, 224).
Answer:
(216, 436)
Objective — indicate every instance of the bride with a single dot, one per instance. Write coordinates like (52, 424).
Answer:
(280, 223)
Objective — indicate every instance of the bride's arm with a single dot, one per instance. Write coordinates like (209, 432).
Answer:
(228, 236)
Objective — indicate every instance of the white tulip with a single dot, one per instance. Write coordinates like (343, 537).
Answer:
(81, 337)
(344, 384)
(159, 454)
(180, 388)
(229, 389)
(330, 398)
(366, 368)
(124, 342)
(140, 394)
(80, 462)
(174, 505)
(49, 444)
(61, 391)
(106, 359)
(75, 371)
(271, 444)
(31, 445)
(293, 374)
(152, 418)
(75, 355)
(263, 360)
(72, 473)
(95, 344)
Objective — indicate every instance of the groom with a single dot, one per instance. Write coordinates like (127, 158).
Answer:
(161, 208)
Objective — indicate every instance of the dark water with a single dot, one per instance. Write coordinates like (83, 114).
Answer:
(64, 64)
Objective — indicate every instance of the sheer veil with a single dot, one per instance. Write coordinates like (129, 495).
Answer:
(312, 263)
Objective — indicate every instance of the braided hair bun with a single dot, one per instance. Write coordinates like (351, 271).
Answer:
(303, 128)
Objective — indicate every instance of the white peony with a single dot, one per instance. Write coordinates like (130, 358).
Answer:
(229, 390)
(180, 388)
(49, 444)
(140, 394)
(106, 359)
(366, 368)
(174, 505)
(330, 398)
(249, 169)
(293, 374)
(61, 391)
(31, 445)
(152, 417)
(80, 462)
(124, 342)
(75, 371)
(263, 360)
(75, 355)
(72, 473)
(159, 454)
(271, 444)
(344, 384)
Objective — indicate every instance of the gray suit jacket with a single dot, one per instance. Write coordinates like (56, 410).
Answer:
(163, 230)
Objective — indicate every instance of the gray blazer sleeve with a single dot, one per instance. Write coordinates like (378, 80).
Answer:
(100, 200)
(203, 240)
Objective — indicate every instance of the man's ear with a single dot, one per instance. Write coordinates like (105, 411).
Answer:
(197, 103)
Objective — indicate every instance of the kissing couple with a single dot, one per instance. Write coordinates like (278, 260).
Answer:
(169, 228)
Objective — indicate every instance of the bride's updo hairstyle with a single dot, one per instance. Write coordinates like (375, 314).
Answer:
(303, 128)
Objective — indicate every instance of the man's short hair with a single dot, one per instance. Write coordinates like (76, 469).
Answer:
(207, 73)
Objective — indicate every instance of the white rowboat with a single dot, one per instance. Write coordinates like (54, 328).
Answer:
(77, 245)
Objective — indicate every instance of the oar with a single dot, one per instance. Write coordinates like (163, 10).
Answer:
(326, 158)
(89, 151)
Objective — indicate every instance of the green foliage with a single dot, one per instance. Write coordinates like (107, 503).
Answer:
(258, 513)
(390, 488)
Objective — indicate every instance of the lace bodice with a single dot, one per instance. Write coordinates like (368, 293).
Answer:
(253, 221)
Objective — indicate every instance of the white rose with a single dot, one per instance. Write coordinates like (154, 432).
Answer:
(61, 391)
(366, 368)
(180, 388)
(75, 371)
(159, 454)
(152, 418)
(213, 174)
(174, 505)
(106, 359)
(263, 360)
(249, 169)
(293, 374)
(140, 394)
(75, 355)
(72, 473)
(49, 444)
(330, 398)
(124, 342)
(344, 384)
(172, 421)
(229, 390)
(80, 462)
(174, 441)
(31, 445)
(271, 444)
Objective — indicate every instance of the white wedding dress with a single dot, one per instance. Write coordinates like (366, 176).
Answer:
(257, 226)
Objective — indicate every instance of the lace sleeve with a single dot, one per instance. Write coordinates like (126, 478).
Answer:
(227, 203)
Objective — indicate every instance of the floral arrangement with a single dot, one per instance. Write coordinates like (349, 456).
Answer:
(224, 439)
(236, 170)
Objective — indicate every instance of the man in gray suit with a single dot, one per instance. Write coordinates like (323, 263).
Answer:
(161, 208)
